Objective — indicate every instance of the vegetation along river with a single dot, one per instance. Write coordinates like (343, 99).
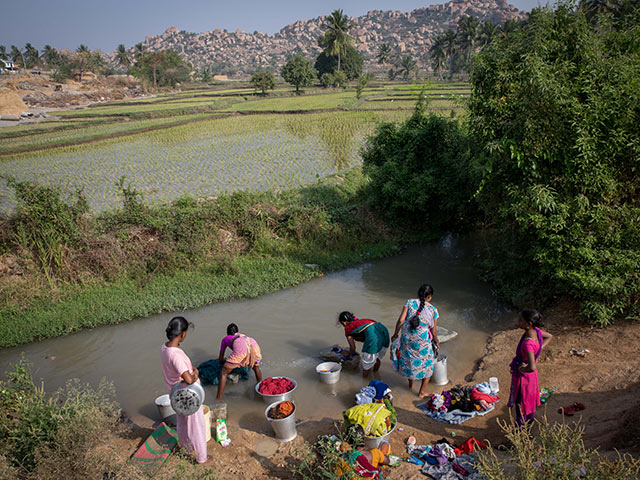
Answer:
(291, 326)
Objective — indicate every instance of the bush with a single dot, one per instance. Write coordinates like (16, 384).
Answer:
(555, 104)
(420, 172)
(557, 452)
(350, 63)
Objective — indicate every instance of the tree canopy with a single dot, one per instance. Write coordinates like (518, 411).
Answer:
(263, 81)
(351, 63)
(298, 72)
(160, 69)
(336, 39)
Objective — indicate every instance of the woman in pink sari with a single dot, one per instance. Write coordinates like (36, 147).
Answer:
(176, 368)
(525, 391)
(245, 352)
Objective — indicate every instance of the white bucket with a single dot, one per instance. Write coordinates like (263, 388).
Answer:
(207, 421)
(439, 376)
(329, 372)
(164, 406)
(284, 428)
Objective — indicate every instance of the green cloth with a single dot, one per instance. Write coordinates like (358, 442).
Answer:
(376, 337)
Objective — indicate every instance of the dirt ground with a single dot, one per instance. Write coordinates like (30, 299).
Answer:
(605, 380)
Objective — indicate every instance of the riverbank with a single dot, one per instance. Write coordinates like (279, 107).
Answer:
(604, 380)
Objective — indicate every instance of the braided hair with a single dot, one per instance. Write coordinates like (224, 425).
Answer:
(424, 291)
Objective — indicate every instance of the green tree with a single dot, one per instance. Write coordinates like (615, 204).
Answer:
(298, 72)
(3, 53)
(263, 81)
(122, 56)
(466, 36)
(161, 69)
(50, 56)
(336, 39)
(555, 105)
(407, 67)
(31, 55)
(340, 79)
(384, 54)
(352, 63)
(486, 32)
(326, 79)
(17, 56)
(363, 81)
(438, 55)
(205, 75)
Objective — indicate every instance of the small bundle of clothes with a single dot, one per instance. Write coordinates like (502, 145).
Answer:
(209, 372)
(374, 411)
(460, 403)
(282, 410)
(376, 391)
(275, 386)
(445, 461)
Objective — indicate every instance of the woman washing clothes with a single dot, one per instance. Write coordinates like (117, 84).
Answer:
(373, 335)
(176, 368)
(525, 391)
(245, 352)
(417, 328)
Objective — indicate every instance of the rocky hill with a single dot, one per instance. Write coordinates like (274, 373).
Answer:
(408, 33)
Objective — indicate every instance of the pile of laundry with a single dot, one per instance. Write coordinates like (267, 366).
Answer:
(376, 391)
(445, 460)
(460, 403)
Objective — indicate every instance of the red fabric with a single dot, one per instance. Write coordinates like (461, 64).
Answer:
(358, 322)
(275, 386)
(469, 445)
(477, 395)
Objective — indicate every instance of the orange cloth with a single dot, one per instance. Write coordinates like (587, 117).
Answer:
(285, 408)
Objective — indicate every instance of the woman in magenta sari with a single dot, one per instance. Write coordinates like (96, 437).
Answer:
(525, 391)
(176, 367)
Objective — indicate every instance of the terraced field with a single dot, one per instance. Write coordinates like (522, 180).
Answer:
(206, 141)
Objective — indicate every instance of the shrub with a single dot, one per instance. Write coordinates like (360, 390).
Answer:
(557, 452)
(420, 172)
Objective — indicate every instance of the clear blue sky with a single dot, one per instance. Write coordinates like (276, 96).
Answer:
(104, 24)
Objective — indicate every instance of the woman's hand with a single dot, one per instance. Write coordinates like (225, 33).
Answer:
(394, 337)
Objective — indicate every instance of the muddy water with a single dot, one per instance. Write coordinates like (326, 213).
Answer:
(291, 327)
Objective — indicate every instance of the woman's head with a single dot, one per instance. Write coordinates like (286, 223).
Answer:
(345, 318)
(425, 292)
(232, 329)
(530, 317)
(177, 326)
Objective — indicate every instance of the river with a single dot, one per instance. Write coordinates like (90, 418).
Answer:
(291, 326)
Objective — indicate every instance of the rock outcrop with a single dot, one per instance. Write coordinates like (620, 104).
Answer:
(409, 33)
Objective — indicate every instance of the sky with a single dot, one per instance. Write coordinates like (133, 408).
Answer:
(102, 24)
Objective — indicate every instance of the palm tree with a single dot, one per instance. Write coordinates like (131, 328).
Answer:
(407, 66)
(486, 33)
(16, 54)
(123, 56)
(384, 54)
(466, 35)
(438, 54)
(50, 55)
(509, 26)
(3, 52)
(137, 50)
(336, 38)
(31, 54)
(84, 55)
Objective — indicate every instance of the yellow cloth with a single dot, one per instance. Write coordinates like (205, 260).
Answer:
(377, 457)
(370, 416)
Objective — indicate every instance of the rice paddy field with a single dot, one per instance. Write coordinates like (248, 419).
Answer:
(207, 140)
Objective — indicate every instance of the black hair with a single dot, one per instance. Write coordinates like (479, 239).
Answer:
(176, 326)
(532, 316)
(354, 435)
(424, 291)
(232, 329)
(346, 317)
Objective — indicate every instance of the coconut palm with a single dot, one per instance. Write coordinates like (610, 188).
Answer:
(336, 38)
(466, 35)
(486, 32)
(407, 66)
(123, 56)
(16, 55)
(384, 54)
(438, 55)
(50, 56)
(31, 55)
(3, 52)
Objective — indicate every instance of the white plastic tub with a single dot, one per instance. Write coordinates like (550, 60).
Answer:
(329, 372)
(163, 403)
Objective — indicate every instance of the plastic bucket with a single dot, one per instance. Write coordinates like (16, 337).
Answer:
(207, 421)
(164, 406)
(329, 372)
(284, 428)
(374, 442)
(439, 376)
(277, 398)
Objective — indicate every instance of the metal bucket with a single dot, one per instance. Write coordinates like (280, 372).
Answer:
(329, 372)
(276, 398)
(374, 442)
(285, 428)
(439, 376)
(164, 406)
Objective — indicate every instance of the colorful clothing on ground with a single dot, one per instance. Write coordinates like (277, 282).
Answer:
(525, 391)
(191, 429)
(245, 352)
(364, 468)
(370, 416)
(415, 355)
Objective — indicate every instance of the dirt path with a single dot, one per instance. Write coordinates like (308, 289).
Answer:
(606, 380)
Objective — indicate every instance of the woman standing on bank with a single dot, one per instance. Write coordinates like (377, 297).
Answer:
(525, 391)
(176, 368)
(417, 327)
